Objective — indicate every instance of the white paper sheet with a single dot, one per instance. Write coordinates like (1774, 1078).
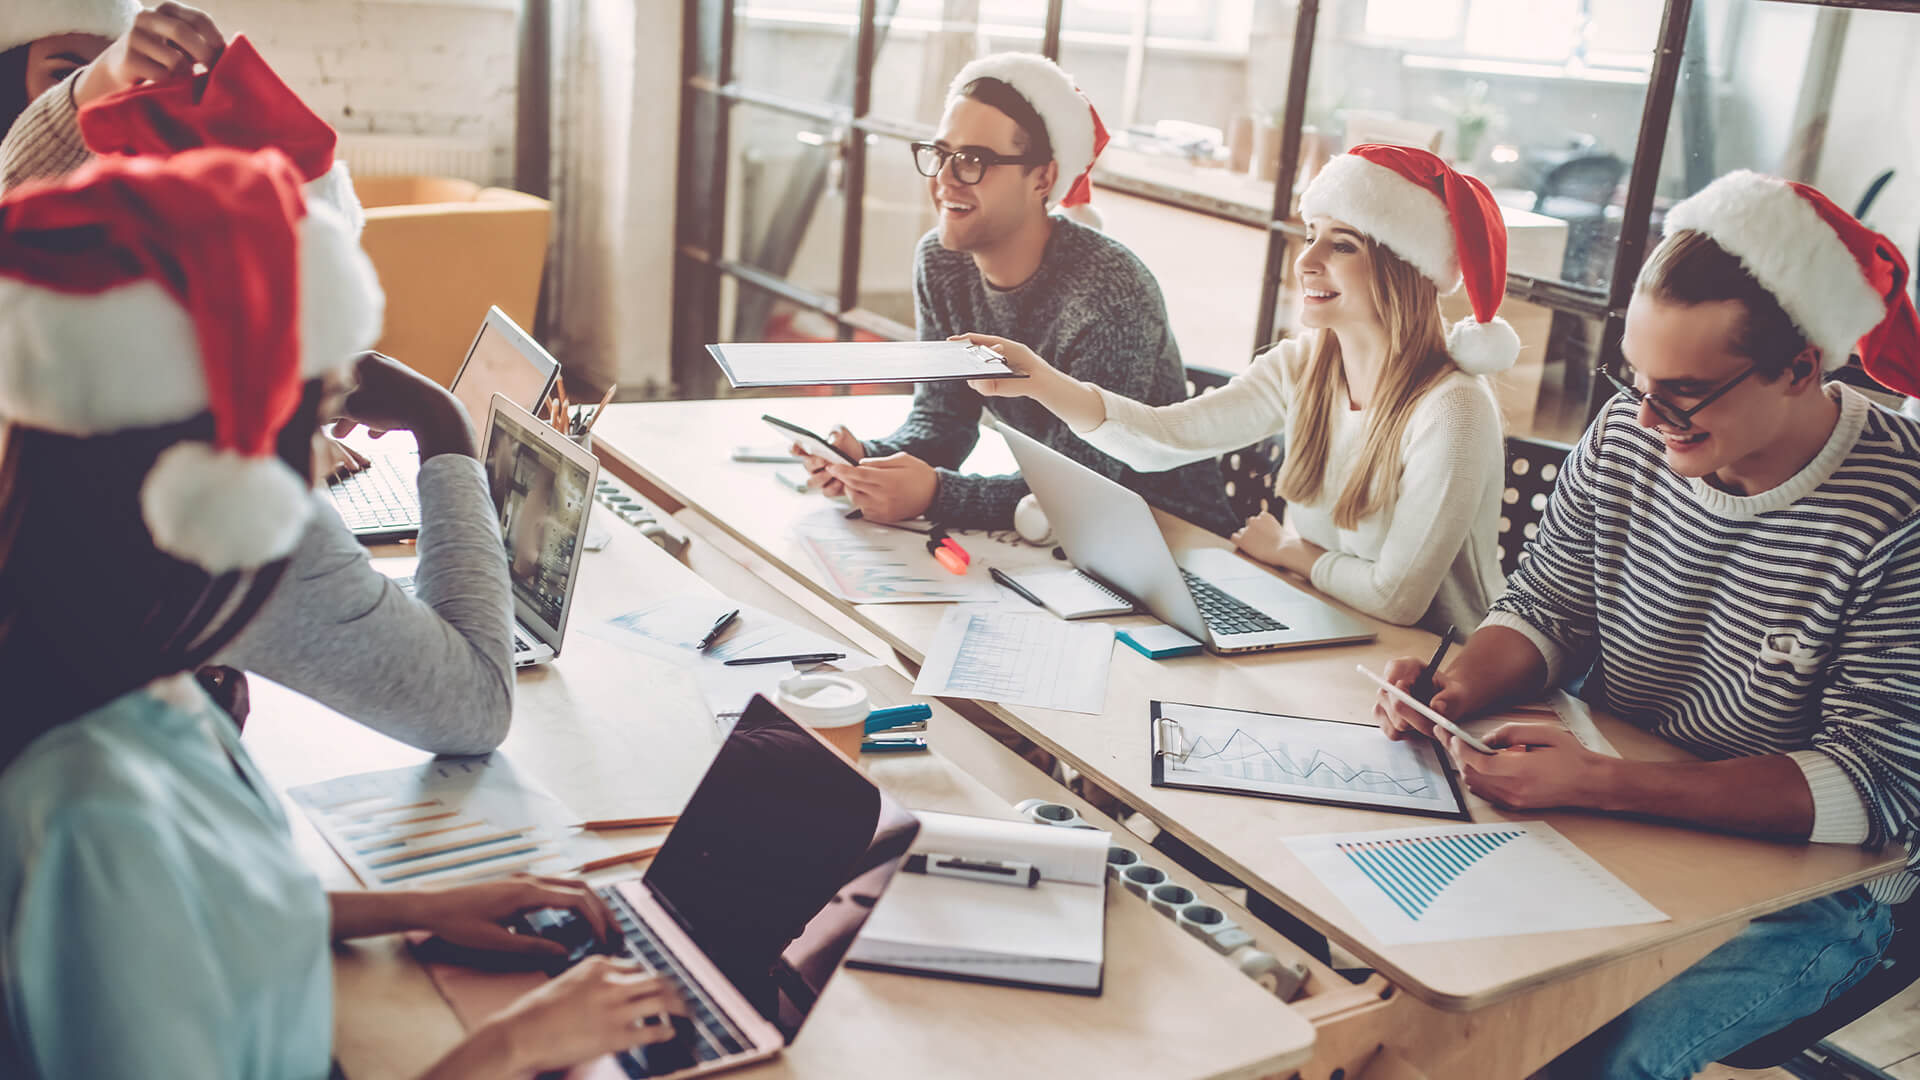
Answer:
(844, 362)
(870, 564)
(677, 623)
(449, 821)
(1456, 882)
(1018, 660)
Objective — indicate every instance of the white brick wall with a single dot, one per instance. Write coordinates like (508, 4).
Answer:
(443, 68)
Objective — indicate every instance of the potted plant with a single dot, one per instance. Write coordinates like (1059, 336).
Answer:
(1473, 116)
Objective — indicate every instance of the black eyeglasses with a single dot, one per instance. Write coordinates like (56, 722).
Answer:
(970, 163)
(1673, 415)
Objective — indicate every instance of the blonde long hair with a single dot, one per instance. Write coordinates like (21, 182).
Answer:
(1416, 360)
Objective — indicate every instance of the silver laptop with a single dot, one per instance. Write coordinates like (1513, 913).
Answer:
(542, 488)
(1210, 594)
(381, 504)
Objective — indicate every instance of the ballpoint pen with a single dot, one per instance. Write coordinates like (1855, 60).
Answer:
(800, 658)
(719, 627)
(1018, 590)
(1423, 686)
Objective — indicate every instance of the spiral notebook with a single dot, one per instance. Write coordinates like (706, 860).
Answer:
(1069, 593)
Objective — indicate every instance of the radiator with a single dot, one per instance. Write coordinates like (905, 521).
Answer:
(418, 155)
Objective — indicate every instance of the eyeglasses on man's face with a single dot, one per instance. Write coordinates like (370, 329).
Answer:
(970, 163)
(1672, 415)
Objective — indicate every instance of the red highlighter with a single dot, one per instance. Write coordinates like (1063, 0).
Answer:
(948, 552)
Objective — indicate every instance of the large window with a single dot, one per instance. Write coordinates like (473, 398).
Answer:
(799, 206)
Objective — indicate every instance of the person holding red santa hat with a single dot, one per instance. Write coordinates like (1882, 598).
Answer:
(1733, 550)
(150, 498)
(1017, 142)
(1393, 459)
(433, 669)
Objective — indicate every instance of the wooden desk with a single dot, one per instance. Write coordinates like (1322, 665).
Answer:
(614, 733)
(1706, 882)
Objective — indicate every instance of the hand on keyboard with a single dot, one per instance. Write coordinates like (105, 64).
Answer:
(550, 922)
(601, 1006)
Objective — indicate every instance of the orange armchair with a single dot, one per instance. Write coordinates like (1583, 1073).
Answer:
(445, 250)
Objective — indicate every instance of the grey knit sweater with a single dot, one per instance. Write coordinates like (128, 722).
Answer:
(1093, 311)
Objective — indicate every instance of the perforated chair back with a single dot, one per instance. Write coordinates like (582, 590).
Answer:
(1251, 471)
(1532, 467)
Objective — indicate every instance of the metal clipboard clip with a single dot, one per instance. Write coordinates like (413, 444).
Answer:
(1168, 738)
(986, 354)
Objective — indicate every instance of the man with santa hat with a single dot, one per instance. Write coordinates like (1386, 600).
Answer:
(1017, 141)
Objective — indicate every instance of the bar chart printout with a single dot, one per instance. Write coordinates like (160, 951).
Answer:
(1455, 882)
(449, 821)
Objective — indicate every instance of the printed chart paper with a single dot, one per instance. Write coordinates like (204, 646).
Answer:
(450, 821)
(1456, 882)
(867, 564)
(1018, 660)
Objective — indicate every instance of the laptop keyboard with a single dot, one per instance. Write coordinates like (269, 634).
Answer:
(712, 1037)
(381, 496)
(1225, 614)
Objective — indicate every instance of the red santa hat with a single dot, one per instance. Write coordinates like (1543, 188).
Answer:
(1842, 284)
(239, 103)
(25, 21)
(1439, 219)
(146, 291)
(1073, 128)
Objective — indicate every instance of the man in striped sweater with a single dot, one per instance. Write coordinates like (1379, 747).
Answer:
(1734, 547)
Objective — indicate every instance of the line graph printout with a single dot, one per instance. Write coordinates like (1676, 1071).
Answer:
(1296, 757)
(1457, 882)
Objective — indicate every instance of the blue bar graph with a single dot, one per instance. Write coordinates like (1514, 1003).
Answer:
(1413, 871)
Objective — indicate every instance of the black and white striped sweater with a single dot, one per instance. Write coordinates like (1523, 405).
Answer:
(1786, 622)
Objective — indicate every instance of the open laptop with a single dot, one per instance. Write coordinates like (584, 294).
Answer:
(767, 877)
(1210, 594)
(381, 504)
(542, 488)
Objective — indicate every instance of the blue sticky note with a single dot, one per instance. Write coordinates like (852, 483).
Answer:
(1157, 642)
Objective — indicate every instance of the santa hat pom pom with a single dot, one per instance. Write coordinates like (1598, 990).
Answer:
(222, 511)
(1085, 214)
(1483, 348)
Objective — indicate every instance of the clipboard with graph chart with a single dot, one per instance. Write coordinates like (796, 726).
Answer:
(1333, 762)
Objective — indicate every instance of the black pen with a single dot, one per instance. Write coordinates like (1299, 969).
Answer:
(719, 626)
(1018, 589)
(801, 658)
(1423, 686)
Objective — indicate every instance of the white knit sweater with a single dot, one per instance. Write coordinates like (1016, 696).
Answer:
(1430, 558)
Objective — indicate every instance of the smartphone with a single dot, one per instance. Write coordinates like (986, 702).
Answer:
(808, 441)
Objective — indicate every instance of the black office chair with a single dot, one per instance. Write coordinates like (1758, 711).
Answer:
(1251, 471)
(1532, 466)
(1897, 970)
(1578, 192)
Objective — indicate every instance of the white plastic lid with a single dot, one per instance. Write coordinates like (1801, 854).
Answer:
(824, 701)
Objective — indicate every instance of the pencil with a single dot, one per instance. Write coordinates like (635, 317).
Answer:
(616, 860)
(630, 823)
(600, 408)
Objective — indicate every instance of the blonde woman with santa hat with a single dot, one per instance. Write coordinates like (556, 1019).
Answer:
(1734, 548)
(1393, 445)
(158, 921)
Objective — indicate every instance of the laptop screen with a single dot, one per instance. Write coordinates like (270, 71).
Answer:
(542, 494)
(503, 360)
(777, 861)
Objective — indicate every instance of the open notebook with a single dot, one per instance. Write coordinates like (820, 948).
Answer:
(1069, 593)
(1051, 935)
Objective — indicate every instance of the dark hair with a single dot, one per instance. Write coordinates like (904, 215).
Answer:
(1032, 136)
(1689, 268)
(13, 85)
(89, 607)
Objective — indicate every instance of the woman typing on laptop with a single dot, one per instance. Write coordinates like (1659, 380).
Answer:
(158, 921)
(1393, 445)
(433, 669)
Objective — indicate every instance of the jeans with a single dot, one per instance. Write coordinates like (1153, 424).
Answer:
(1780, 968)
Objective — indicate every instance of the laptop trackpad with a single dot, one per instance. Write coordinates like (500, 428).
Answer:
(1240, 579)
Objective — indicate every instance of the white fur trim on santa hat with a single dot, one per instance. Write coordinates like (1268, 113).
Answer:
(1050, 91)
(1408, 219)
(1483, 348)
(221, 511)
(129, 358)
(335, 188)
(24, 21)
(1792, 252)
